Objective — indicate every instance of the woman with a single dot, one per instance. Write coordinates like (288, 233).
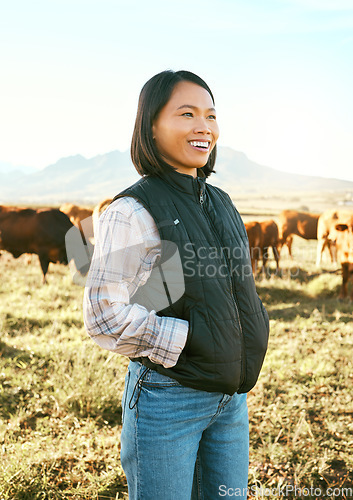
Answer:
(170, 286)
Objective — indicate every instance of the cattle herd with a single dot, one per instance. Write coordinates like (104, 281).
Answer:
(37, 231)
(333, 229)
(42, 232)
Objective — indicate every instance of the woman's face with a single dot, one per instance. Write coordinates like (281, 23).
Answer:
(186, 128)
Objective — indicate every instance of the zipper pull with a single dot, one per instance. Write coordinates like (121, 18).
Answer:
(201, 189)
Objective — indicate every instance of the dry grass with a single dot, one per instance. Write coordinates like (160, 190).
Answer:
(60, 394)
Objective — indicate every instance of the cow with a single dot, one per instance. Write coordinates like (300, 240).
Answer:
(4, 208)
(327, 232)
(344, 248)
(292, 222)
(255, 238)
(35, 231)
(269, 239)
(81, 217)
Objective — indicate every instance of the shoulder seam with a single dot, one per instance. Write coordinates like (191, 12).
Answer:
(126, 206)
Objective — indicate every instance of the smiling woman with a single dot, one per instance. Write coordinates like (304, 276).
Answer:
(194, 358)
(175, 111)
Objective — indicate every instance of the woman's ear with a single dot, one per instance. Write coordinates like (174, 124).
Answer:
(153, 131)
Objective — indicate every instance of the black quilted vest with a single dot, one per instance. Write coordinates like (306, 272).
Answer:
(228, 332)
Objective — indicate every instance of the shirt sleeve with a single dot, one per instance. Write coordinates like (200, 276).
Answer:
(126, 248)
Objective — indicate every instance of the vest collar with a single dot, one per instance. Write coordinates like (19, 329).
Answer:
(186, 183)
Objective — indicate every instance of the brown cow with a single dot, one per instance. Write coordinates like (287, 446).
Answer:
(3, 209)
(40, 231)
(344, 247)
(269, 239)
(77, 215)
(291, 223)
(327, 232)
(255, 238)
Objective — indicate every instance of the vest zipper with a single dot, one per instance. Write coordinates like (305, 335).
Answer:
(203, 210)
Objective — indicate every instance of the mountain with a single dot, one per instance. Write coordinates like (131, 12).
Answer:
(74, 178)
(235, 169)
(10, 175)
(87, 181)
(9, 168)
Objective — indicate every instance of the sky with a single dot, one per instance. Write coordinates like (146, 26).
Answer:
(281, 72)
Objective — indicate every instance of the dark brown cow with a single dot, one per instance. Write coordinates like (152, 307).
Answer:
(41, 232)
(269, 239)
(291, 223)
(255, 238)
(344, 247)
(3, 209)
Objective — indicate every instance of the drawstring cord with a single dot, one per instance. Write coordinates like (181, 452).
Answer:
(138, 383)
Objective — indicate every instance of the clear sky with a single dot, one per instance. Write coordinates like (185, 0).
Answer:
(281, 72)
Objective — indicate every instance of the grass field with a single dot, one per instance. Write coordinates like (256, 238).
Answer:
(60, 413)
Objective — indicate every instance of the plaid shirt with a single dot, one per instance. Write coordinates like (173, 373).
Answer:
(127, 245)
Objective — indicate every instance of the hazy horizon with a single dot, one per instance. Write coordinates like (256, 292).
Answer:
(32, 167)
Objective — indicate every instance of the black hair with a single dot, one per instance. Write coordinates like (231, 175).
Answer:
(153, 97)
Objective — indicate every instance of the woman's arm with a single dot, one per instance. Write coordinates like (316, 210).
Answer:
(127, 245)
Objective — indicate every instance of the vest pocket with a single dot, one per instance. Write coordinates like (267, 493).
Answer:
(256, 332)
(199, 332)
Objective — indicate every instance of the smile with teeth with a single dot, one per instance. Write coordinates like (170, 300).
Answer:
(200, 144)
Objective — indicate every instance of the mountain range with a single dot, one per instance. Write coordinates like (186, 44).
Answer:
(87, 181)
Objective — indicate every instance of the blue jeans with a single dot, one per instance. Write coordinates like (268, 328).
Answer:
(179, 443)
